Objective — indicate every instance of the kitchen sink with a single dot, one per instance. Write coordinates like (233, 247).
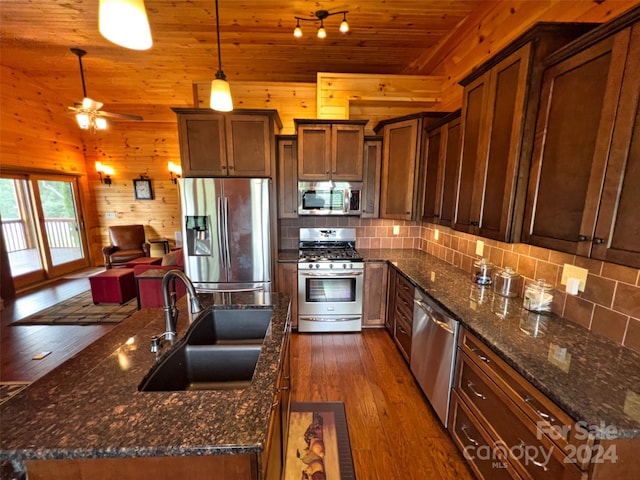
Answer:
(229, 326)
(219, 352)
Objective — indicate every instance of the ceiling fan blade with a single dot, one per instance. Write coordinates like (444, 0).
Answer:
(121, 116)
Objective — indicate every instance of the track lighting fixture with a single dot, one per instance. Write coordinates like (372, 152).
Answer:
(321, 15)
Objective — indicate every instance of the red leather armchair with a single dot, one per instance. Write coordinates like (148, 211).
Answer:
(127, 243)
(150, 288)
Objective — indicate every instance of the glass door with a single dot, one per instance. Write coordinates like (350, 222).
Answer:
(41, 227)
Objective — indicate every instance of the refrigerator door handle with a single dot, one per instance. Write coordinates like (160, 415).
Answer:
(226, 232)
(229, 290)
(221, 231)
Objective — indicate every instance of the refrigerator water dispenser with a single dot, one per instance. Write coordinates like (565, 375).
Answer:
(198, 235)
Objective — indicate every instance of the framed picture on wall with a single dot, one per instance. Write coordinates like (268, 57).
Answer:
(142, 189)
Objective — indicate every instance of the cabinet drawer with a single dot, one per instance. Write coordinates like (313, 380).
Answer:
(403, 335)
(533, 403)
(404, 298)
(531, 452)
(487, 463)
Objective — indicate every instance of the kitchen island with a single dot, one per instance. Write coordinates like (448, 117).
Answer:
(88, 414)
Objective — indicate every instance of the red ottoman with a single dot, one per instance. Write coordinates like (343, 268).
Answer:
(116, 285)
(144, 261)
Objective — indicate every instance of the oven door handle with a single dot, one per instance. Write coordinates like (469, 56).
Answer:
(328, 319)
(344, 274)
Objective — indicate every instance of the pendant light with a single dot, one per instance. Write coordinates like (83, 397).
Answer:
(220, 91)
(125, 23)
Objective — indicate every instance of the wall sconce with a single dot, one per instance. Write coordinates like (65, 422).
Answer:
(321, 15)
(175, 172)
(107, 171)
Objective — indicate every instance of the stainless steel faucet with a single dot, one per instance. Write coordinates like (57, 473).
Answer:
(171, 310)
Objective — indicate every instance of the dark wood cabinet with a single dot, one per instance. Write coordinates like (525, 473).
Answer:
(330, 150)
(239, 143)
(287, 177)
(288, 283)
(374, 297)
(389, 320)
(583, 193)
(401, 190)
(441, 164)
(499, 108)
(370, 195)
(493, 404)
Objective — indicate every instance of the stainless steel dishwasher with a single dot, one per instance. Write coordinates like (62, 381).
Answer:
(433, 350)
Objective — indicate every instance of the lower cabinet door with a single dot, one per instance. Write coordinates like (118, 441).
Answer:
(486, 461)
(529, 450)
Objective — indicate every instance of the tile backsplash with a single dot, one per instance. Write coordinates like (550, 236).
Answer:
(609, 305)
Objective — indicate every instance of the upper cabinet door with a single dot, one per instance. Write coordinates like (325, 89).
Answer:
(202, 144)
(447, 180)
(399, 169)
(370, 195)
(249, 145)
(493, 113)
(314, 152)
(287, 177)
(577, 111)
(347, 146)
(434, 151)
(474, 150)
(617, 236)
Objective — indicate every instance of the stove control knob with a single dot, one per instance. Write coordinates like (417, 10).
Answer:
(317, 265)
(311, 265)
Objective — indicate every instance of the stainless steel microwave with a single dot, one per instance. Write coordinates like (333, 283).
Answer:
(329, 198)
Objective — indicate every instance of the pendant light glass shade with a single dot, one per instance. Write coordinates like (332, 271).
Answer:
(125, 23)
(221, 95)
(220, 92)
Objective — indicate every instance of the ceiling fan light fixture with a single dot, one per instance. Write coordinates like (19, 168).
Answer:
(83, 120)
(101, 123)
(125, 23)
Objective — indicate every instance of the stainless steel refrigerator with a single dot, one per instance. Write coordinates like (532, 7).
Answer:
(226, 233)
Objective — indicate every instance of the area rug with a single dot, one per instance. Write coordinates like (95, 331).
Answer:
(9, 389)
(318, 446)
(80, 310)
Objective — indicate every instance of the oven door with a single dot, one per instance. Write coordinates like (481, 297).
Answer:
(330, 300)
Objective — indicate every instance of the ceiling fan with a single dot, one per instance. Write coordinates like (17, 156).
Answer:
(88, 113)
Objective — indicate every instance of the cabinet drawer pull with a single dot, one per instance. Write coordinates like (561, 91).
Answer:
(479, 355)
(471, 386)
(463, 428)
(541, 465)
(548, 417)
(402, 330)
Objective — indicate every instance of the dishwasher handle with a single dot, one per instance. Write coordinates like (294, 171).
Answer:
(427, 309)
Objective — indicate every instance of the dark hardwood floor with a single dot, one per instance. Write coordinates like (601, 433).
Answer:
(394, 433)
(19, 343)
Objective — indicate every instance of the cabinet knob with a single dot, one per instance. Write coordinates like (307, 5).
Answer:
(327, 172)
(435, 215)
(598, 240)
(583, 238)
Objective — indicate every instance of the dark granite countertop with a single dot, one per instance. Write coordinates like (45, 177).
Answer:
(598, 381)
(90, 406)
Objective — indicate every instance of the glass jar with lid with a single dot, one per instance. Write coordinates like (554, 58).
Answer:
(482, 272)
(538, 296)
(507, 283)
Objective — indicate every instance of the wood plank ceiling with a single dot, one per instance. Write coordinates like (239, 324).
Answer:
(257, 43)
(386, 37)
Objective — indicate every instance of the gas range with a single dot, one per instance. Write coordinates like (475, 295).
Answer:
(330, 281)
(328, 245)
